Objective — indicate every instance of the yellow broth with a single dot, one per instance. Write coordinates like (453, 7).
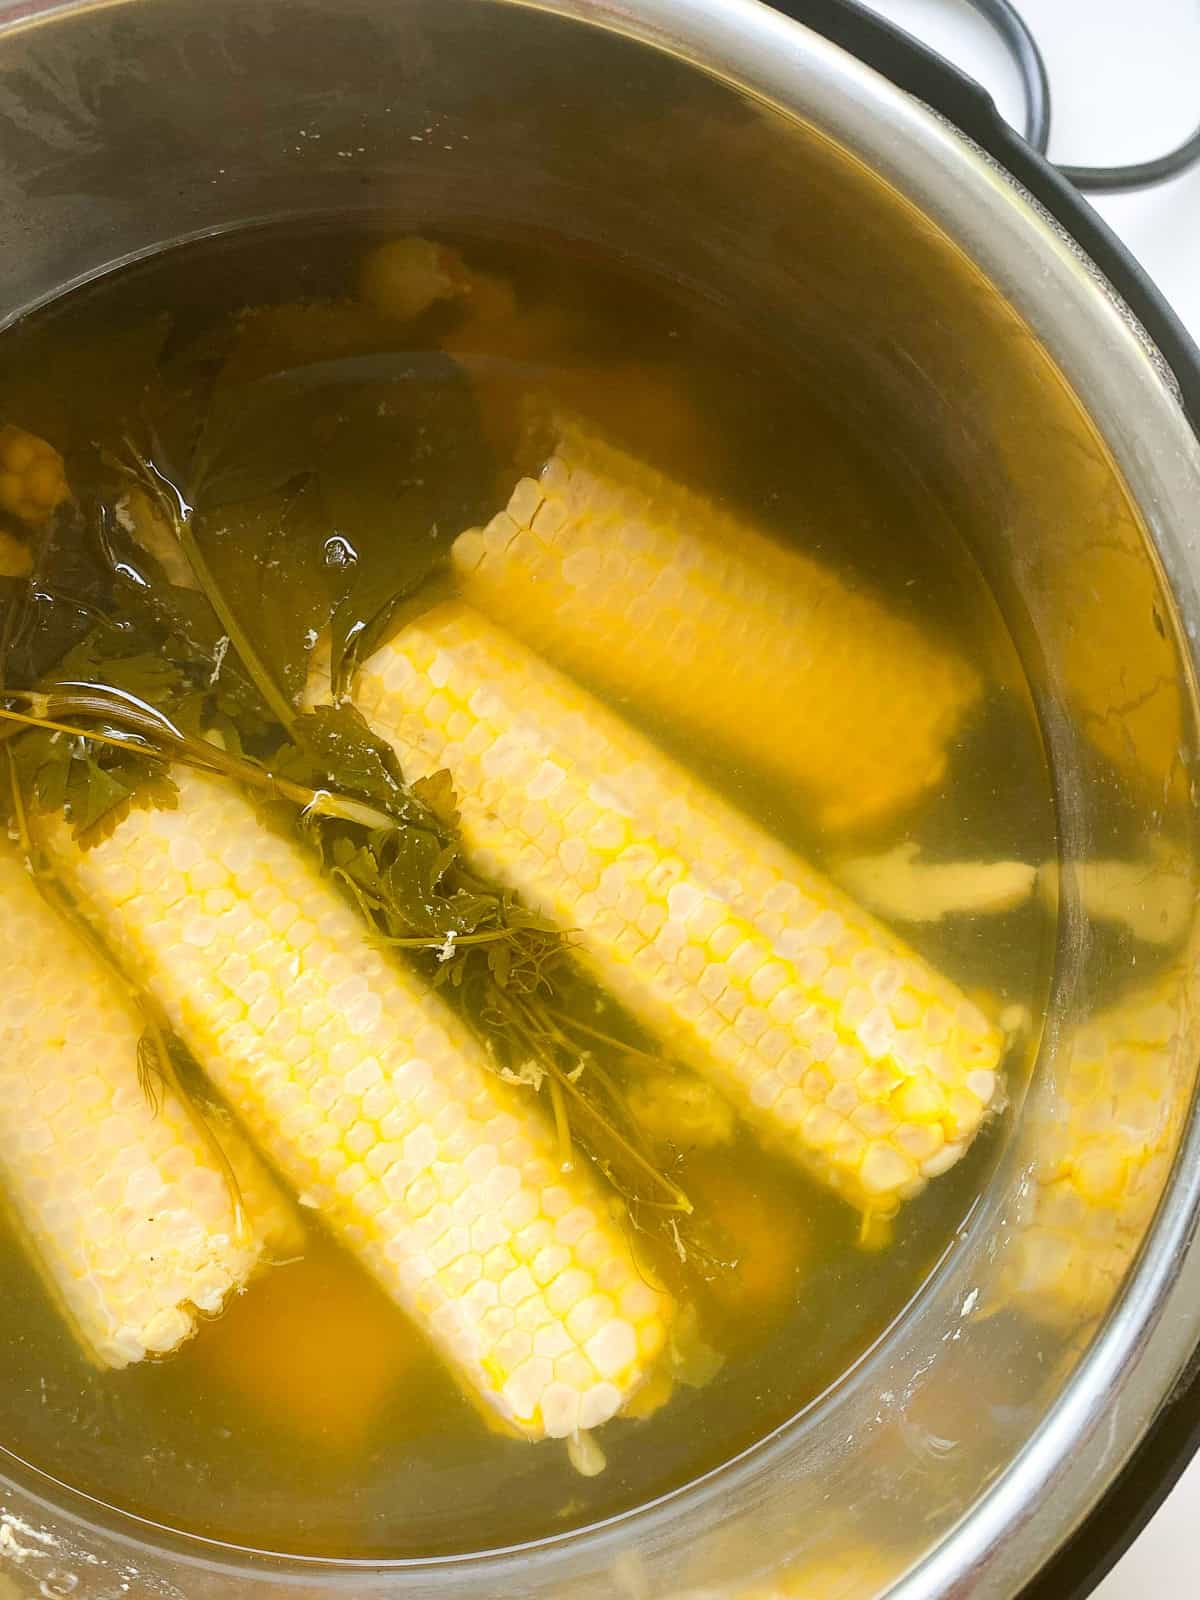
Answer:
(310, 1416)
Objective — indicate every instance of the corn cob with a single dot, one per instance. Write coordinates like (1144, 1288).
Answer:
(638, 586)
(874, 1072)
(1104, 1135)
(376, 1103)
(127, 1215)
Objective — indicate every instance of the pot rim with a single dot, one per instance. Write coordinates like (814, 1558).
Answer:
(1107, 358)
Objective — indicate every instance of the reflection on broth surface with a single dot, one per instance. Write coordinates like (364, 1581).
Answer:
(468, 712)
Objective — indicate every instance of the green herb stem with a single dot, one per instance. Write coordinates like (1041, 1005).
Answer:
(179, 512)
(562, 1126)
(574, 1024)
(438, 941)
(530, 1021)
(199, 754)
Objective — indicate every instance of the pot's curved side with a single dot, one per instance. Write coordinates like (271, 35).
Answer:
(727, 148)
(1174, 1436)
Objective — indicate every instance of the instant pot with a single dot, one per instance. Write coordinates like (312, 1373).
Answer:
(948, 289)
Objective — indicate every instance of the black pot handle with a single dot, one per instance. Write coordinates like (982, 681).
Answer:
(1021, 44)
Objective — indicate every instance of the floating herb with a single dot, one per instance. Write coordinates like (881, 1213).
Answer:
(442, 909)
(315, 500)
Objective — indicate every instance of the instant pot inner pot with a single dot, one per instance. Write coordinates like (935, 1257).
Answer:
(128, 126)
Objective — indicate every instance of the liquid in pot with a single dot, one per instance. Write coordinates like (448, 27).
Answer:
(645, 767)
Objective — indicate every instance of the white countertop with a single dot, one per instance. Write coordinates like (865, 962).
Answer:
(1125, 82)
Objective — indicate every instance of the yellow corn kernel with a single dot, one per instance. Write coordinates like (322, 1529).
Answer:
(33, 481)
(1103, 1144)
(813, 1019)
(127, 1214)
(637, 586)
(377, 1104)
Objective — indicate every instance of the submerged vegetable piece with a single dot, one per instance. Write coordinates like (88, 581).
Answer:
(870, 1070)
(315, 1349)
(501, 341)
(680, 1110)
(404, 277)
(33, 481)
(1153, 898)
(900, 885)
(638, 585)
(758, 1235)
(377, 1104)
(1104, 1136)
(16, 560)
(127, 1214)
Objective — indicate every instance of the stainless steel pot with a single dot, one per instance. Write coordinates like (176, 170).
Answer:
(718, 142)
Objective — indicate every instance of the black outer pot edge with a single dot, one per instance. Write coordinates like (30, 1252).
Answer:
(1174, 1436)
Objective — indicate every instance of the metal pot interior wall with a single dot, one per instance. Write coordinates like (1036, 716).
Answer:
(129, 125)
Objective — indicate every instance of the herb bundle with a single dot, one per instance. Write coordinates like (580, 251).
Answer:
(233, 515)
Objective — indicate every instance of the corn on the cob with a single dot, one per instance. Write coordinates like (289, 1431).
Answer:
(376, 1103)
(1104, 1137)
(637, 585)
(875, 1072)
(127, 1214)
